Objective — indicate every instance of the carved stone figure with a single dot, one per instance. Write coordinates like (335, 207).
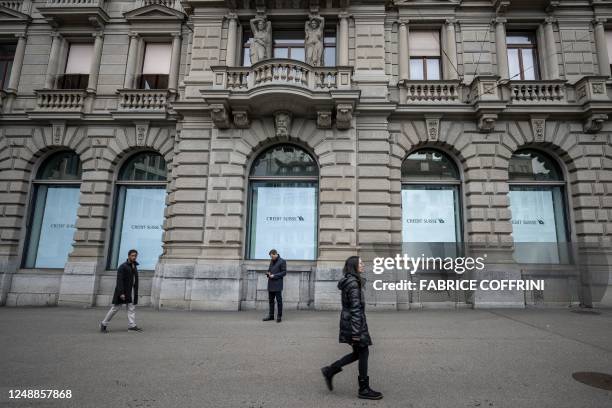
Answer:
(261, 43)
(313, 42)
(282, 123)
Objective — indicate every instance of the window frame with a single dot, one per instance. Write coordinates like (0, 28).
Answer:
(66, 81)
(35, 188)
(533, 46)
(114, 243)
(253, 180)
(5, 76)
(546, 184)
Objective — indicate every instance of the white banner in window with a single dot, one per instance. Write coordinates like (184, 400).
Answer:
(533, 216)
(285, 219)
(428, 215)
(141, 230)
(58, 226)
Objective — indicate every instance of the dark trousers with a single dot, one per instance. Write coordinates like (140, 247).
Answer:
(361, 353)
(279, 301)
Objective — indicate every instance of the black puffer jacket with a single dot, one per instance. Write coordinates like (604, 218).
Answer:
(352, 318)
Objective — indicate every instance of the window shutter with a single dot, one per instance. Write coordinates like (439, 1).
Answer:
(424, 43)
(609, 44)
(79, 58)
(157, 59)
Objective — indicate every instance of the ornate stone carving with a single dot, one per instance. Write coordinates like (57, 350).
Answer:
(58, 130)
(141, 133)
(594, 122)
(220, 116)
(486, 122)
(241, 118)
(261, 44)
(433, 128)
(313, 40)
(282, 123)
(324, 119)
(344, 116)
(538, 125)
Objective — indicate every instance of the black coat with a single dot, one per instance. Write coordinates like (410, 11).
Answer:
(127, 282)
(278, 269)
(353, 321)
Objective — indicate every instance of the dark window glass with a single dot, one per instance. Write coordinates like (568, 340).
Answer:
(429, 164)
(61, 166)
(72, 81)
(284, 160)
(153, 81)
(144, 167)
(531, 165)
(522, 56)
(7, 54)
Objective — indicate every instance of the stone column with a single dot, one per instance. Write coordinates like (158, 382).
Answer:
(343, 40)
(602, 47)
(501, 48)
(232, 30)
(451, 49)
(404, 52)
(94, 69)
(550, 54)
(130, 69)
(175, 63)
(17, 64)
(56, 46)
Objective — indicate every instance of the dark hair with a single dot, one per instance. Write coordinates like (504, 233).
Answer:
(273, 252)
(132, 251)
(351, 266)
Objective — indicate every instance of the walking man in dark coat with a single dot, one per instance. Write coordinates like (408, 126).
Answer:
(276, 273)
(126, 292)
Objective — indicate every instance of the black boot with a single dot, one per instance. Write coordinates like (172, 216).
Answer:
(365, 391)
(328, 373)
(268, 318)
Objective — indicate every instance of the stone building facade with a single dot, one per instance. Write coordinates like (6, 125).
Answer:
(496, 80)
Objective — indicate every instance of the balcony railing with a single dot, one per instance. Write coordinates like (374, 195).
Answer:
(282, 72)
(173, 4)
(60, 100)
(75, 3)
(143, 100)
(432, 92)
(537, 91)
(13, 5)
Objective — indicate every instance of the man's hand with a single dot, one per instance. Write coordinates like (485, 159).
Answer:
(122, 296)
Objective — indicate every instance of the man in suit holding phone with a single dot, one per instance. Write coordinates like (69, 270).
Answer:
(276, 272)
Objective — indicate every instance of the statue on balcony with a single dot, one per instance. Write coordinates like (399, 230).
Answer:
(313, 41)
(261, 43)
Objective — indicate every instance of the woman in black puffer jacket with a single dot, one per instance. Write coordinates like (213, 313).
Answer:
(353, 328)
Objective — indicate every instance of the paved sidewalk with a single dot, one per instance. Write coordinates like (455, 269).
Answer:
(421, 359)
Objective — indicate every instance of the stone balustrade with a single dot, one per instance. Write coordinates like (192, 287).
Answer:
(143, 100)
(60, 100)
(75, 3)
(173, 4)
(282, 72)
(537, 91)
(12, 4)
(432, 92)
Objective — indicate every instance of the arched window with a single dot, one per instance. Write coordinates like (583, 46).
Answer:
(54, 211)
(431, 210)
(283, 196)
(139, 210)
(538, 208)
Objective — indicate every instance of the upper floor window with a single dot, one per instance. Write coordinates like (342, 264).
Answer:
(609, 45)
(522, 56)
(424, 48)
(78, 64)
(7, 54)
(156, 66)
(290, 44)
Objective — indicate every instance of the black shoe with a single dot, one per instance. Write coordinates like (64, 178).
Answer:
(365, 391)
(135, 328)
(267, 319)
(328, 374)
(278, 319)
(103, 328)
